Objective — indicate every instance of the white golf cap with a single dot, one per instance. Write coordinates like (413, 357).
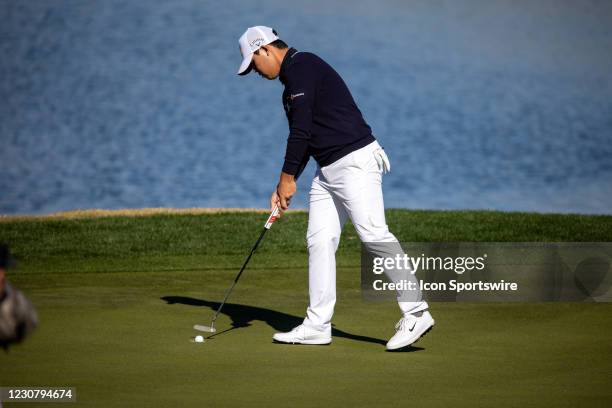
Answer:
(252, 39)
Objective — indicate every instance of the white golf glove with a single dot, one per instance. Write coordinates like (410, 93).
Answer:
(382, 160)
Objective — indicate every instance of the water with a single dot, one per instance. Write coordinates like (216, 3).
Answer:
(501, 105)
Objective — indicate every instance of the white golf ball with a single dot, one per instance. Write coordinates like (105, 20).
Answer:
(199, 339)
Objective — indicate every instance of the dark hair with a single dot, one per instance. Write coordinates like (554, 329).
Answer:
(280, 44)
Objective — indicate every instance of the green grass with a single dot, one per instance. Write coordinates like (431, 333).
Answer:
(117, 298)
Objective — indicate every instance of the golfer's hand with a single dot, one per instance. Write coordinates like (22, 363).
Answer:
(274, 200)
(285, 190)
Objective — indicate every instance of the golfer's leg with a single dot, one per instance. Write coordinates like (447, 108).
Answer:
(363, 200)
(325, 221)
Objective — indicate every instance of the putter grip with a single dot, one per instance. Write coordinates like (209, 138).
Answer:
(273, 216)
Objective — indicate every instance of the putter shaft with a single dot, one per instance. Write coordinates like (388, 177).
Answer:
(273, 216)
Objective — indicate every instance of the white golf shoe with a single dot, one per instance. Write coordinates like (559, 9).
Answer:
(409, 329)
(304, 335)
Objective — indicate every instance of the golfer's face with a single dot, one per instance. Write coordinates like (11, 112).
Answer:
(264, 64)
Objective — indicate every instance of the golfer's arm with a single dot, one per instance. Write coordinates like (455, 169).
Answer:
(302, 89)
(297, 147)
(299, 138)
(286, 178)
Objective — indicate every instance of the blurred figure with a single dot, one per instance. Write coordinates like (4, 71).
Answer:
(17, 315)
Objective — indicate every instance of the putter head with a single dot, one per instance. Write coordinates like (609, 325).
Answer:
(207, 329)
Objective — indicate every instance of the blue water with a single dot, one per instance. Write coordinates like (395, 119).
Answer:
(480, 104)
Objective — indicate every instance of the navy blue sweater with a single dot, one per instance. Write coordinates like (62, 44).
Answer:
(324, 121)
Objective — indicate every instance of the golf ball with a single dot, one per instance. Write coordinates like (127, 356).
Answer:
(199, 339)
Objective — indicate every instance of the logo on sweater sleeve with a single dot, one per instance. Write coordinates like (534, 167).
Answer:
(290, 98)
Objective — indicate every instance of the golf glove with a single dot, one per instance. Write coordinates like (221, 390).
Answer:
(382, 160)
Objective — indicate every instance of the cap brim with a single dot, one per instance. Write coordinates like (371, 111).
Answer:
(245, 67)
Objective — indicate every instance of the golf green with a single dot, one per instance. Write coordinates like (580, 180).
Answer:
(117, 298)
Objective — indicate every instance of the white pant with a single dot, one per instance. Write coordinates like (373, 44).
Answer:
(349, 187)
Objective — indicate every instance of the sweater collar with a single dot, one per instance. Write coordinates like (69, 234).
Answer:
(286, 63)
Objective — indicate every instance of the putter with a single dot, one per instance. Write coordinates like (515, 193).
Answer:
(211, 329)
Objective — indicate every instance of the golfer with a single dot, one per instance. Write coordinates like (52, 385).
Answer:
(325, 123)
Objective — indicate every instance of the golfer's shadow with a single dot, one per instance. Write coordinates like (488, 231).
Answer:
(243, 315)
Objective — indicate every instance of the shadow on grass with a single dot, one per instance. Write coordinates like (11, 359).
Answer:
(243, 315)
